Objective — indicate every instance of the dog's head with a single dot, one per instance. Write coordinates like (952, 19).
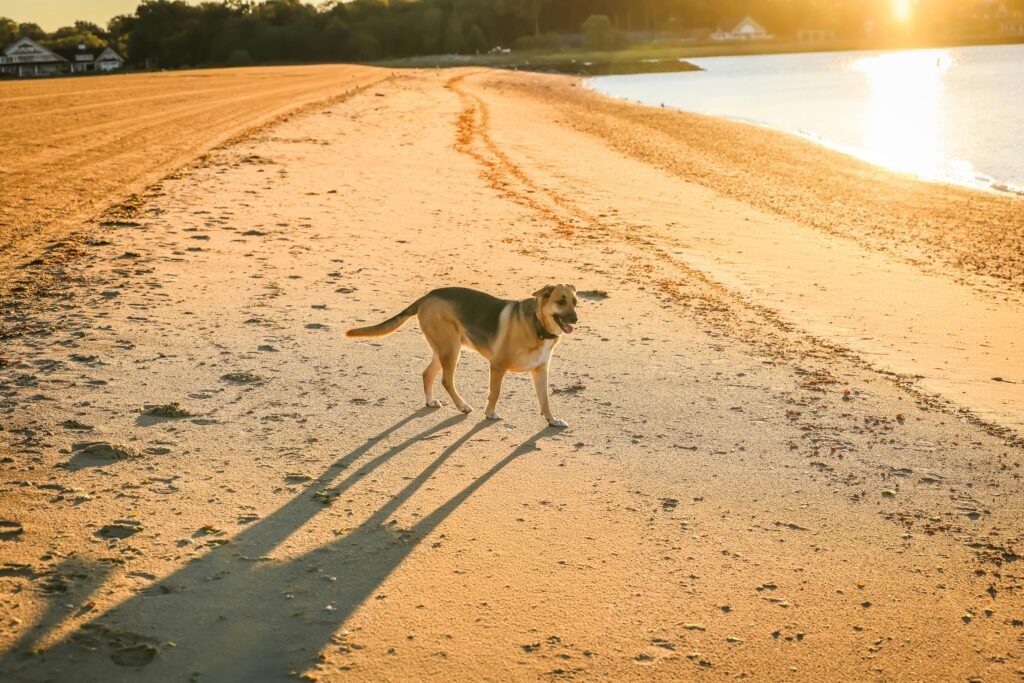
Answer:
(556, 307)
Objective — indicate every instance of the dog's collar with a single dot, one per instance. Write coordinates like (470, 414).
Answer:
(542, 333)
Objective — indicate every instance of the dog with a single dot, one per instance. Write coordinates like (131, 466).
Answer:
(514, 336)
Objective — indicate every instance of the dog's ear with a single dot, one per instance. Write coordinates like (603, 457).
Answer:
(572, 287)
(546, 292)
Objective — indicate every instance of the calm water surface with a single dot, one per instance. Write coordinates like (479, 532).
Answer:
(953, 114)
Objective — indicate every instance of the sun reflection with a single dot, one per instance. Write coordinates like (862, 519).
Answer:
(901, 10)
(902, 130)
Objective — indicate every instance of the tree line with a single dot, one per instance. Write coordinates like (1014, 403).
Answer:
(175, 33)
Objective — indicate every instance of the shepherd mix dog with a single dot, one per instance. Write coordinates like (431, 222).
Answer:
(514, 336)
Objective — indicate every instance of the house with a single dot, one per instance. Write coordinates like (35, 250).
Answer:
(108, 60)
(816, 35)
(26, 57)
(83, 59)
(745, 29)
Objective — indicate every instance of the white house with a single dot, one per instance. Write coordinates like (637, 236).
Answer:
(26, 57)
(746, 29)
(84, 59)
(109, 60)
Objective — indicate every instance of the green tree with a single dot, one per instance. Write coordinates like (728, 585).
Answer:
(337, 39)
(366, 45)
(600, 34)
(453, 42)
(476, 41)
(431, 27)
(240, 58)
(33, 31)
(8, 31)
(283, 12)
(162, 33)
(89, 27)
(118, 30)
(535, 7)
(69, 37)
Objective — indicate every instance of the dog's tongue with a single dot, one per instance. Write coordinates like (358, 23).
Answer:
(569, 328)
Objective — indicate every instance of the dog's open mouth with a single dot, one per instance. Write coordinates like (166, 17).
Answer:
(566, 327)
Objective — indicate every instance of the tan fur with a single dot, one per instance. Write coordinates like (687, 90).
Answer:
(515, 348)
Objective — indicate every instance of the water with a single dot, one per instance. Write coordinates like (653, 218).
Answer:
(952, 114)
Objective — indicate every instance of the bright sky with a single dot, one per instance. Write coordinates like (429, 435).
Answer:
(52, 14)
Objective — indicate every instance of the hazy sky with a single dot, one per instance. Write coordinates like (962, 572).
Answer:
(52, 14)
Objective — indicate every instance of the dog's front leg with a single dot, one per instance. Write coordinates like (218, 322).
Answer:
(497, 376)
(540, 383)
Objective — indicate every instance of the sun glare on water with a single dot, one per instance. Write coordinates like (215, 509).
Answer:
(901, 10)
(904, 110)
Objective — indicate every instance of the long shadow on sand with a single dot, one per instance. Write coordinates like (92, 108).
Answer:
(234, 615)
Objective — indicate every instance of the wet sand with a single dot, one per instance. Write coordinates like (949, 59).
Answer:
(748, 486)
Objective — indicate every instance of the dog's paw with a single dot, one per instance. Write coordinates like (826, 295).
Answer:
(433, 403)
(493, 416)
(465, 408)
(555, 422)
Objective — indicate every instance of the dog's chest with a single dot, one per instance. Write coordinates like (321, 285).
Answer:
(536, 357)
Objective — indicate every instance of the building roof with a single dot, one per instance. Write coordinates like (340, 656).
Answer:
(74, 54)
(748, 20)
(25, 45)
(109, 53)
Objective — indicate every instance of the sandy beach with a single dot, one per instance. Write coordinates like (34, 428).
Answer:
(71, 146)
(795, 398)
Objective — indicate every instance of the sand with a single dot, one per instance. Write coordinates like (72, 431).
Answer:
(204, 480)
(70, 146)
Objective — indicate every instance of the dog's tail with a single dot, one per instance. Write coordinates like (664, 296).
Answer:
(388, 326)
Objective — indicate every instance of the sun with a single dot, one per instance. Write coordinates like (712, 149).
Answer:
(901, 10)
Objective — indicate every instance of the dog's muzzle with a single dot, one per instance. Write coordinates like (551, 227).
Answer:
(568, 323)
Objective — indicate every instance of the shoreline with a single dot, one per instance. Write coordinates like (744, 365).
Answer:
(977, 180)
(865, 201)
(993, 185)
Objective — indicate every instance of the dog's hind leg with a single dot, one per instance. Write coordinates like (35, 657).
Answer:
(449, 361)
(429, 375)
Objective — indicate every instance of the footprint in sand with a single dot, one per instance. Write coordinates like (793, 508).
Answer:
(242, 378)
(168, 410)
(119, 529)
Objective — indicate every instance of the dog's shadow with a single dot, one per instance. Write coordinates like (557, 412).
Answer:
(235, 615)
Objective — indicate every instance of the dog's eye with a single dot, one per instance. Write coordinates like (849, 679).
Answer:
(561, 302)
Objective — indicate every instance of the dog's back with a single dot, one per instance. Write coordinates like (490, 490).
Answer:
(478, 312)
